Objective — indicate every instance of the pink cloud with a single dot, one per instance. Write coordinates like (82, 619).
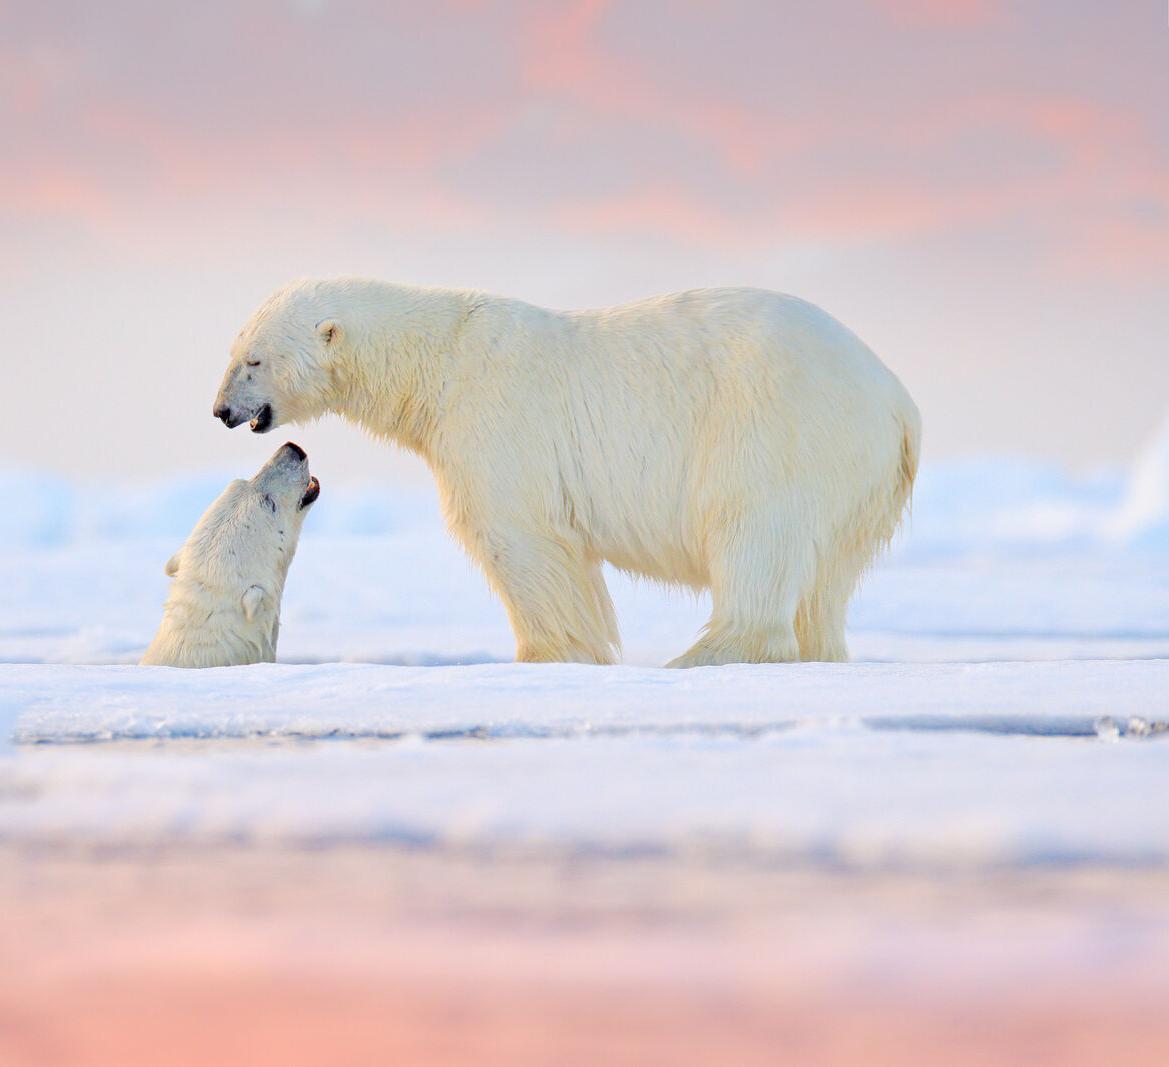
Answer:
(655, 210)
(562, 116)
(559, 49)
(947, 13)
(1100, 149)
(57, 195)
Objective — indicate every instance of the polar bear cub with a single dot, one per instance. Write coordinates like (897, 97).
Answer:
(228, 578)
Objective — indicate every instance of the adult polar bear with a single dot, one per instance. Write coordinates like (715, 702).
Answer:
(731, 439)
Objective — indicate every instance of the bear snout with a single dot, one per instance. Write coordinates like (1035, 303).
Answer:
(311, 493)
(262, 422)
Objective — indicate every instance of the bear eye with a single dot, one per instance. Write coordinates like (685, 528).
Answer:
(253, 362)
(270, 503)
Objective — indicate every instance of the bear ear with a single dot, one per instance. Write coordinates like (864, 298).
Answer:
(329, 330)
(252, 600)
(172, 564)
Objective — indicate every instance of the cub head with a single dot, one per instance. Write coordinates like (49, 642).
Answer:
(240, 550)
(280, 368)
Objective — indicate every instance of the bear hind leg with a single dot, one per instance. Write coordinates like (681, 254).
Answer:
(821, 619)
(757, 585)
(820, 627)
(722, 643)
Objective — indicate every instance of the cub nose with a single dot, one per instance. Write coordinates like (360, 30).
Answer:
(223, 412)
(296, 450)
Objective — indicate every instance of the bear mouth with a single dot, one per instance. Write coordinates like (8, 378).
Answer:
(311, 493)
(262, 422)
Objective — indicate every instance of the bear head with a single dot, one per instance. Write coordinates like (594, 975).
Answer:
(280, 367)
(240, 550)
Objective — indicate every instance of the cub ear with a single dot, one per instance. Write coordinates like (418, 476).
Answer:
(329, 330)
(252, 600)
(172, 565)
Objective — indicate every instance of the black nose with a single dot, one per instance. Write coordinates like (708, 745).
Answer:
(222, 411)
(299, 452)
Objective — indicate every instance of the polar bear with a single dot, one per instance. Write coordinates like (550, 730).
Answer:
(735, 440)
(224, 602)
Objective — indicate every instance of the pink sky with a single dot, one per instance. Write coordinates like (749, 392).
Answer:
(979, 188)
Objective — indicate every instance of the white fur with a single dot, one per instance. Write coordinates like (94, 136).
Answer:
(228, 578)
(730, 439)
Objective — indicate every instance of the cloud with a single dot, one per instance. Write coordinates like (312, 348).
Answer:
(941, 13)
(734, 124)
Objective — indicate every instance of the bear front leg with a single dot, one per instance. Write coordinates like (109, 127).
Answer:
(556, 599)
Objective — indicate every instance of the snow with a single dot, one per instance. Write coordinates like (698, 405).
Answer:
(503, 701)
(836, 794)
(1143, 516)
(1008, 703)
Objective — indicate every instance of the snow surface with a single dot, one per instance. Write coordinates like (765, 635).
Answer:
(841, 795)
(504, 701)
(1008, 706)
